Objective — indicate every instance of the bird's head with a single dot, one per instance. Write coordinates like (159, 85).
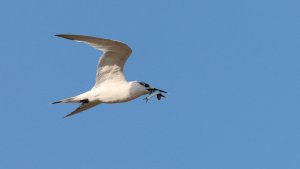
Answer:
(142, 88)
(149, 88)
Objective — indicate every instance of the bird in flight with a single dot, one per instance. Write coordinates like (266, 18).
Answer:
(111, 85)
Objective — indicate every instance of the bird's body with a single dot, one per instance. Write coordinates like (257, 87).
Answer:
(114, 92)
(111, 85)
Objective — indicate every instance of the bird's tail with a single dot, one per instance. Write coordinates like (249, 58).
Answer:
(82, 98)
(67, 100)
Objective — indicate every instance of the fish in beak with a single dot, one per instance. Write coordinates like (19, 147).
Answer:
(155, 92)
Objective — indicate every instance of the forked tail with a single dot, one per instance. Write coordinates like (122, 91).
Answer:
(83, 99)
(71, 100)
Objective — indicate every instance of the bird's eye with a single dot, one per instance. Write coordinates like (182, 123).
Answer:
(144, 84)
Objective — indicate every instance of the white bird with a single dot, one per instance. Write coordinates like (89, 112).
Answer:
(111, 85)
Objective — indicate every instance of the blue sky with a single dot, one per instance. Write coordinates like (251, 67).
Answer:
(231, 69)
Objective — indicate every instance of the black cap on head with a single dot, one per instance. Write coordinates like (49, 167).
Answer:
(144, 84)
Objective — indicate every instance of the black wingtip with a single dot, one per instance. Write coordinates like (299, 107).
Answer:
(66, 36)
(56, 102)
(67, 116)
(58, 35)
(70, 114)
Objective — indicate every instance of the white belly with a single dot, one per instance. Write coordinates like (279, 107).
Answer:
(112, 93)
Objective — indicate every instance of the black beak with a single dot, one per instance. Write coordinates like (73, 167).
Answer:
(153, 89)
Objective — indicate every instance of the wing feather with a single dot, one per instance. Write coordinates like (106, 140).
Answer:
(111, 63)
(82, 107)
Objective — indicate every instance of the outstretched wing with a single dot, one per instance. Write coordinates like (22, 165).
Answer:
(82, 107)
(111, 63)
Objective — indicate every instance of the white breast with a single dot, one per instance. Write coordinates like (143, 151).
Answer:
(111, 92)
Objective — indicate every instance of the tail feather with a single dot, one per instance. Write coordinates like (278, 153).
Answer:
(83, 99)
(68, 100)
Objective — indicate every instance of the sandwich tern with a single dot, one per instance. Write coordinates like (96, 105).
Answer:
(111, 85)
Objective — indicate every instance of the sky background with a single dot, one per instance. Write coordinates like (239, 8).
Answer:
(231, 69)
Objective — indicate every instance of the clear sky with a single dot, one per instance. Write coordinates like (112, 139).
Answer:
(231, 69)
